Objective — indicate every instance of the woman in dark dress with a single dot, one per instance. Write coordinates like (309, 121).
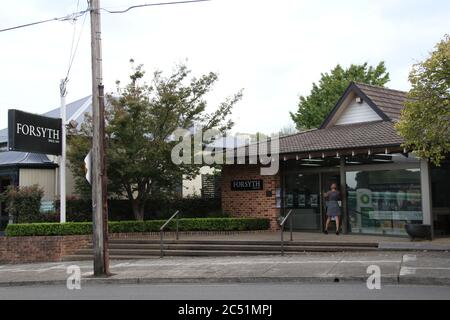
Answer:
(332, 198)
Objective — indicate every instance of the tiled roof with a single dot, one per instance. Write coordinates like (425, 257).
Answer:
(379, 134)
(391, 102)
(24, 159)
(361, 135)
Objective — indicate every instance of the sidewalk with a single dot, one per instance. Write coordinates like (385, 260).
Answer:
(384, 242)
(424, 268)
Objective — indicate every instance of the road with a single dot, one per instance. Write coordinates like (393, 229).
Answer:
(263, 291)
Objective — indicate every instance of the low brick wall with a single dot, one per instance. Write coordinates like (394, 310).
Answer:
(16, 250)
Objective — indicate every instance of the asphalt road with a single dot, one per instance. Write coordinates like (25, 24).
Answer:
(268, 291)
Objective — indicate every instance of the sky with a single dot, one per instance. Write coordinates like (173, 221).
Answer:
(274, 50)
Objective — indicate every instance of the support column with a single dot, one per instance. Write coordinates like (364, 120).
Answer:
(344, 195)
(425, 183)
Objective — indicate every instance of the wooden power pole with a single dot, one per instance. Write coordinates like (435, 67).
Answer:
(99, 192)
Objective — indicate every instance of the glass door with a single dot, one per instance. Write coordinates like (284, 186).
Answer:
(302, 195)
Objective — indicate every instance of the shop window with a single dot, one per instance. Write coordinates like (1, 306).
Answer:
(382, 202)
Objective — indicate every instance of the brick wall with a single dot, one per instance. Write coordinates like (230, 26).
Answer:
(39, 249)
(254, 204)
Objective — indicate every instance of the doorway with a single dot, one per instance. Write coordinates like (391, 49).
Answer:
(302, 195)
(328, 178)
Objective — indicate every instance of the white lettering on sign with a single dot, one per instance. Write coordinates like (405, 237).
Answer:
(39, 132)
(247, 185)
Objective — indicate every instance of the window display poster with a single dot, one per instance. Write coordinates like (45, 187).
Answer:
(278, 193)
(278, 204)
(289, 200)
(302, 200)
(314, 200)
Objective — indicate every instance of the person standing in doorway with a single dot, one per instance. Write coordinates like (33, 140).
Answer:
(332, 199)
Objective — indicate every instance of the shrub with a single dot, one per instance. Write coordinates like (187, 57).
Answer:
(76, 228)
(23, 203)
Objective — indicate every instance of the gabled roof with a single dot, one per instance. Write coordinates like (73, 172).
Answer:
(391, 102)
(387, 103)
(379, 134)
(360, 135)
(24, 159)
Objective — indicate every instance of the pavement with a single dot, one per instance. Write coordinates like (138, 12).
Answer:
(397, 268)
(393, 243)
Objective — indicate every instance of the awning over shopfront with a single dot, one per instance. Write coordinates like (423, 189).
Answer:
(25, 160)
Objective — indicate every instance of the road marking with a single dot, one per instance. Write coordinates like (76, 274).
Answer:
(406, 271)
(409, 258)
(430, 268)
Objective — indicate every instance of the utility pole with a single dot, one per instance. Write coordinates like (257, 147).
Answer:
(62, 159)
(99, 193)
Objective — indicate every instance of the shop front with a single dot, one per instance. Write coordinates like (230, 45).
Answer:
(377, 198)
(383, 186)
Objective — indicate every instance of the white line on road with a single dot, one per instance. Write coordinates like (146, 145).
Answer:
(406, 271)
(409, 258)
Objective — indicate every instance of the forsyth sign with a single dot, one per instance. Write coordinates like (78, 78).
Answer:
(28, 132)
(247, 185)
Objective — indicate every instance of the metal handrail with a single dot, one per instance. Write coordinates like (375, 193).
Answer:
(288, 216)
(161, 231)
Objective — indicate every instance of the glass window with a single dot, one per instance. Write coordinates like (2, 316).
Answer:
(440, 178)
(382, 202)
(302, 195)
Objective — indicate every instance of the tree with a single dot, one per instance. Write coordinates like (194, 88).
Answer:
(425, 121)
(288, 130)
(140, 124)
(23, 204)
(313, 109)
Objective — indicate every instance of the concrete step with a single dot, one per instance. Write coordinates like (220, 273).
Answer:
(213, 251)
(226, 247)
(250, 243)
(146, 249)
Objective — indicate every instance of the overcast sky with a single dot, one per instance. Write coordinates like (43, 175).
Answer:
(274, 50)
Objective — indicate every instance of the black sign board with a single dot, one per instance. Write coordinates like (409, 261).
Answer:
(28, 132)
(247, 185)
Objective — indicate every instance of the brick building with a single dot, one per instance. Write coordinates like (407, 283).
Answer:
(383, 186)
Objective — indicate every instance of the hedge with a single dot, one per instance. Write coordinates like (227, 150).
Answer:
(85, 228)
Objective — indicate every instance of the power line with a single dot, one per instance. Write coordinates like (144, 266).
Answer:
(76, 15)
(153, 5)
(74, 52)
(72, 16)
(74, 33)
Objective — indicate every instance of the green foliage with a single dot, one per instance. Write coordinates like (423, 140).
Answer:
(23, 203)
(139, 124)
(203, 224)
(80, 210)
(425, 121)
(48, 229)
(313, 109)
